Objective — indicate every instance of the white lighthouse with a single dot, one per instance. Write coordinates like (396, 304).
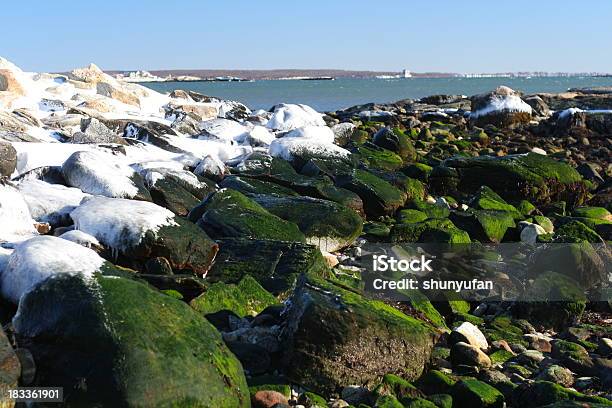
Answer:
(406, 74)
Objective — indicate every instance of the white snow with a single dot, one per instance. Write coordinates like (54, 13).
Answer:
(152, 175)
(321, 134)
(81, 238)
(572, 111)
(223, 129)
(210, 165)
(290, 116)
(120, 223)
(499, 103)
(50, 202)
(100, 173)
(288, 147)
(257, 136)
(16, 223)
(38, 258)
(369, 114)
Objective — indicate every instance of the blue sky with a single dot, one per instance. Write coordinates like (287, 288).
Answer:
(450, 36)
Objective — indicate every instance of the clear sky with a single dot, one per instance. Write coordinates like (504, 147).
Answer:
(443, 35)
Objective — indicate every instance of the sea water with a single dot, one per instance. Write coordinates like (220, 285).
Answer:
(344, 92)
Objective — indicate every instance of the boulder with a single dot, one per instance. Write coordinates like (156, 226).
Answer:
(230, 214)
(276, 265)
(502, 107)
(336, 337)
(431, 230)
(473, 393)
(289, 116)
(543, 393)
(468, 355)
(103, 174)
(8, 159)
(141, 230)
(468, 333)
(379, 197)
(326, 224)
(130, 344)
(534, 177)
(94, 131)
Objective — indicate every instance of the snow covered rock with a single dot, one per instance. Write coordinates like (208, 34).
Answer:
(38, 258)
(94, 131)
(50, 203)
(142, 230)
(211, 167)
(100, 173)
(321, 134)
(343, 132)
(530, 232)
(257, 136)
(289, 116)
(223, 129)
(303, 149)
(15, 219)
(501, 107)
(81, 238)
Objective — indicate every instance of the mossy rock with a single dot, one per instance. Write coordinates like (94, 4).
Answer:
(500, 356)
(487, 199)
(421, 305)
(533, 177)
(431, 209)
(326, 224)
(172, 194)
(396, 386)
(396, 141)
(466, 317)
(375, 229)
(410, 216)
(432, 230)
(599, 213)
(441, 400)
(131, 345)
(276, 265)
(484, 225)
(525, 208)
(263, 167)
(435, 382)
(379, 197)
(376, 157)
(473, 393)
(503, 328)
(417, 403)
(419, 171)
(388, 401)
(413, 188)
(575, 231)
(553, 300)
(269, 383)
(541, 393)
(248, 185)
(336, 337)
(230, 214)
(312, 400)
(544, 222)
(247, 298)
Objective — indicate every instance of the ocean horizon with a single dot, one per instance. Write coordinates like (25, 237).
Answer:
(325, 95)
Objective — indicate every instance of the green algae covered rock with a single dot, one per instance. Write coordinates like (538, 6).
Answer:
(376, 157)
(336, 337)
(410, 216)
(484, 225)
(433, 210)
(230, 214)
(276, 265)
(434, 382)
(379, 197)
(249, 185)
(432, 230)
(131, 345)
(326, 224)
(541, 393)
(441, 400)
(388, 401)
(396, 386)
(533, 177)
(247, 298)
(576, 231)
(473, 393)
(487, 199)
(598, 213)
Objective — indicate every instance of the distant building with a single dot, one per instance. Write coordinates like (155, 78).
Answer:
(406, 74)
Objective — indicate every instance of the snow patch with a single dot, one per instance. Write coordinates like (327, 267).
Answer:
(81, 238)
(500, 103)
(288, 147)
(321, 134)
(15, 219)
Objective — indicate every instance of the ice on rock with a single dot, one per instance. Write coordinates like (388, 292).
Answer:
(120, 223)
(81, 238)
(502, 99)
(290, 116)
(16, 221)
(50, 203)
(257, 136)
(210, 166)
(100, 173)
(38, 258)
(152, 175)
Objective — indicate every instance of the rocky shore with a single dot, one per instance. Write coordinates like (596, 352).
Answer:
(181, 250)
